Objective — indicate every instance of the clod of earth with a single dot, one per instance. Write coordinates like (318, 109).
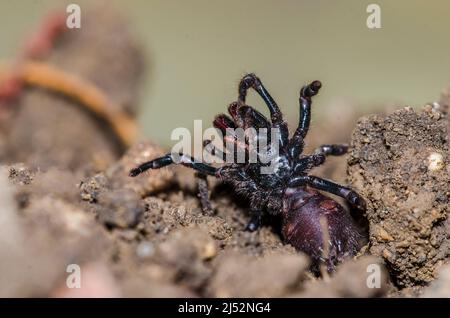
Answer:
(400, 164)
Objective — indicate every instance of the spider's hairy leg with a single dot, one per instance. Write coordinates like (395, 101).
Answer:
(233, 110)
(153, 164)
(305, 101)
(257, 131)
(168, 159)
(236, 175)
(251, 81)
(255, 220)
(247, 117)
(227, 127)
(203, 193)
(319, 157)
(253, 118)
(223, 122)
(211, 149)
(238, 139)
(328, 186)
(245, 185)
(309, 162)
(332, 150)
(296, 142)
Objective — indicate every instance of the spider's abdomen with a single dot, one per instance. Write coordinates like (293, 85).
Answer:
(307, 214)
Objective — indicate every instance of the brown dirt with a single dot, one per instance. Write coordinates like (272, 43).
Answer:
(161, 245)
(399, 163)
(147, 236)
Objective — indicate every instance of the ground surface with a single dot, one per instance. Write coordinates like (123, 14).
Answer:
(147, 236)
(399, 163)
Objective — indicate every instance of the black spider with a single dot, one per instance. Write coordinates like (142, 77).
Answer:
(308, 218)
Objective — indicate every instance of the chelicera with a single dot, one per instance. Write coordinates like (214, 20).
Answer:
(311, 222)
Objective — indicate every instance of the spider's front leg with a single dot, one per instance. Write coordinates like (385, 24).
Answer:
(202, 169)
(170, 158)
(332, 150)
(325, 185)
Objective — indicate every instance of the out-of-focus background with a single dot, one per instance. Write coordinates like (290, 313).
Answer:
(197, 50)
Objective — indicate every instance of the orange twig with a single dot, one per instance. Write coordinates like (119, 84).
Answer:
(86, 93)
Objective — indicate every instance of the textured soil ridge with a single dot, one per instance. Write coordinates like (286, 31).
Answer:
(148, 237)
(399, 163)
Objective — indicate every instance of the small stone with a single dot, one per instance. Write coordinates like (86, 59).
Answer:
(145, 250)
(435, 161)
(387, 254)
(383, 234)
(208, 251)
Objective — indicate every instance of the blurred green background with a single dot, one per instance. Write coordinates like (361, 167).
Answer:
(197, 51)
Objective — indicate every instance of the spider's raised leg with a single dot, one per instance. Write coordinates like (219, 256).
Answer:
(238, 139)
(168, 159)
(223, 122)
(251, 81)
(258, 135)
(296, 142)
(253, 118)
(232, 142)
(305, 101)
(321, 184)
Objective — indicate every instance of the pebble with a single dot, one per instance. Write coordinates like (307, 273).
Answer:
(435, 161)
(145, 250)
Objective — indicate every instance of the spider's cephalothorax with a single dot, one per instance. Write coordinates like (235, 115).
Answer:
(312, 222)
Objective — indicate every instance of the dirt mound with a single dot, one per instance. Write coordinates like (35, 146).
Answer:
(147, 236)
(399, 163)
(157, 244)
